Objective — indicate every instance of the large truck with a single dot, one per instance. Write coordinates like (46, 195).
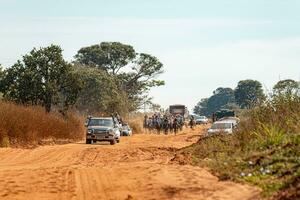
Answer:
(179, 110)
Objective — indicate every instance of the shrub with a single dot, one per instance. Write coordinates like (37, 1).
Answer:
(264, 151)
(136, 123)
(21, 125)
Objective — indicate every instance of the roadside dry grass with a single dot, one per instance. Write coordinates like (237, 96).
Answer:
(265, 151)
(27, 126)
(135, 121)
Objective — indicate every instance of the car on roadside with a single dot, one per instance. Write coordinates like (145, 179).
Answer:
(234, 120)
(201, 120)
(126, 130)
(221, 127)
(102, 129)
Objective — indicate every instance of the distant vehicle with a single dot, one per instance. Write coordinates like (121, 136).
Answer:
(126, 130)
(102, 129)
(234, 120)
(179, 110)
(224, 113)
(201, 120)
(221, 126)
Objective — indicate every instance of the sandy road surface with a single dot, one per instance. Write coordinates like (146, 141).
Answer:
(137, 168)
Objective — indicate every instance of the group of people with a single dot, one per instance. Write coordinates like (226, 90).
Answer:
(165, 123)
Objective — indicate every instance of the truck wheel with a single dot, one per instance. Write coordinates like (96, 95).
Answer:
(88, 141)
(118, 140)
(112, 142)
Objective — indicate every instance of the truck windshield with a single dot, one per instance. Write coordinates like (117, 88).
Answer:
(221, 126)
(101, 122)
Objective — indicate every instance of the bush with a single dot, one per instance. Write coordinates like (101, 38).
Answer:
(264, 151)
(20, 125)
(136, 125)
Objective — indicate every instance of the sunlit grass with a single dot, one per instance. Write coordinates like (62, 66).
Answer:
(20, 125)
(264, 151)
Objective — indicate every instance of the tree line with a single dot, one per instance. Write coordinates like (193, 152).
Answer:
(246, 95)
(103, 78)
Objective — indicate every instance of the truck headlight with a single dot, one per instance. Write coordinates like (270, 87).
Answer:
(90, 131)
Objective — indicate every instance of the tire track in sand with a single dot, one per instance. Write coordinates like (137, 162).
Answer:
(137, 168)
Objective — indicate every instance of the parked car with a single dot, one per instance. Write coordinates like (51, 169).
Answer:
(102, 129)
(201, 120)
(126, 130)
(221, 126)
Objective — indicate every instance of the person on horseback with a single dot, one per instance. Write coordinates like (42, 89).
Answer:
(166, 125)
(192, 122)
(158, 124)
(175, 125)
(180, 121)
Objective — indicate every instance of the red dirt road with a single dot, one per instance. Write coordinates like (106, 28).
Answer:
(137, 168)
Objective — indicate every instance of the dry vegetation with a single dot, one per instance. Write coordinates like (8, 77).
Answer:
(20, 125)
(135, 121)
(265, 151)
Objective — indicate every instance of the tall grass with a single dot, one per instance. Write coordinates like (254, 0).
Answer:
(20, 125)
(135, 121)
(264, 151)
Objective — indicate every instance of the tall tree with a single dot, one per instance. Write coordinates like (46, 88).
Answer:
(142, 77)
(100, 92)
(109, 56)
(249, 93)
(42, 77)
(137, 73)
(221, 98)
(201, 108)
(287, 86)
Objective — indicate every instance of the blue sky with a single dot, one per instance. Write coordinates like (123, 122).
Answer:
(203, 44)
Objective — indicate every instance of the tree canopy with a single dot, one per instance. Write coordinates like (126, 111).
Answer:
(43, 77)
(248, 93)
(221, 98)
(104, 78)
(287, 86)
(100, 92)
(137, 72)
(109, 56)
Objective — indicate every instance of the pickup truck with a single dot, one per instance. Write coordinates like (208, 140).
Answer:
(102, 129)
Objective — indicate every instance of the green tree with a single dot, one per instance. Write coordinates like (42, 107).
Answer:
(221, 98)
(100, 92)
(249, 93)
(141, 79)
(136, 73)
(201, 107)
(109, 56)
(287, 87)
(20, 85)
(43, 77)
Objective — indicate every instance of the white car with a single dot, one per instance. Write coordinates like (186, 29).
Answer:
(221, 126)
(126, 130)
(233, 120)
(201, 120)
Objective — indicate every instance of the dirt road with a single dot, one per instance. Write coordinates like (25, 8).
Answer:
(137, 168)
